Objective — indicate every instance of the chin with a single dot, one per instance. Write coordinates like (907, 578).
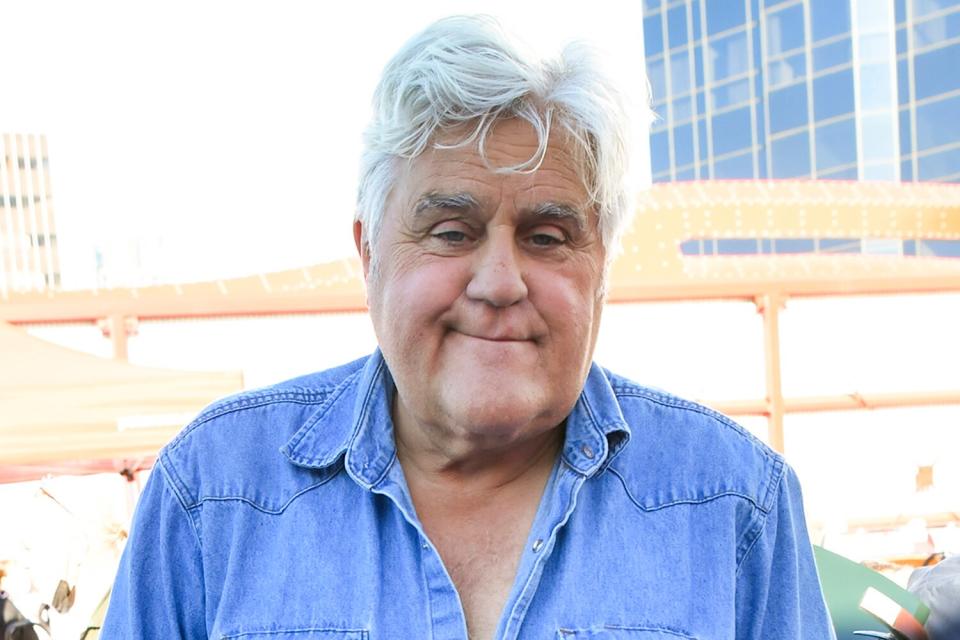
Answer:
(499, 416)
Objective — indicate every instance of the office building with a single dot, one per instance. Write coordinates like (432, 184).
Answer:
(833, 89)
(29, 259)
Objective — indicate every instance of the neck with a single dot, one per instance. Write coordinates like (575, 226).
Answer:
(434, 456)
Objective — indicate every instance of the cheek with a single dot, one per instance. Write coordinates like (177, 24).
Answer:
(411, 296)
(569, 295)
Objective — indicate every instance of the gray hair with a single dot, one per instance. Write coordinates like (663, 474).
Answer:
(462, 73)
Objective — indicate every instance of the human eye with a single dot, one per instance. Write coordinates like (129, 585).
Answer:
(451, 234)
(453, 237)
(546, 237)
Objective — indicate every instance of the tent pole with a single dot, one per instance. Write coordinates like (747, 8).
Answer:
(118, 328)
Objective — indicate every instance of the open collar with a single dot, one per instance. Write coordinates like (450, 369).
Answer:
(355, 425)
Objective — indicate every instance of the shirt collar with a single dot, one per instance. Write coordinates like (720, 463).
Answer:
(596, 428)
(355, 423)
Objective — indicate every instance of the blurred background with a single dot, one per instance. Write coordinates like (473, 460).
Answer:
(176, 195)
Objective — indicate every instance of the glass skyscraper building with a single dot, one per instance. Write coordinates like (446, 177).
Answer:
(835, 89)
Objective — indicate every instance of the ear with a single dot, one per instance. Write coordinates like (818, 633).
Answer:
(363, 249)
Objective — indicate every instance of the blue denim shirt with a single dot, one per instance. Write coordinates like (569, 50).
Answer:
(283, 514)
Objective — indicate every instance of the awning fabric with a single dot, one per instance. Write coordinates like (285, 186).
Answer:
(63, 409)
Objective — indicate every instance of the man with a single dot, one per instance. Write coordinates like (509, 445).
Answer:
(477, 476)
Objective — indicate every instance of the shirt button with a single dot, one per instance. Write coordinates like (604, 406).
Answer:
(537, 545)
(587, 451)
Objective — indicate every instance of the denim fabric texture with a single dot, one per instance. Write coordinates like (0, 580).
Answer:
(282, 513)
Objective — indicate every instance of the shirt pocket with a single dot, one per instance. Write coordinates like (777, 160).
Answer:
(624, 632)
(299, 634)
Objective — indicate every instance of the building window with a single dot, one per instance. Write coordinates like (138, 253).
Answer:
(938, 124)
(730, 94)
(736, 167)
(906, 144)
(703, 141)
(728, 56)
(793, 245)
(836, 144)
(738, 246)
(833, 95)
(682, 109)
(839, 245)
(677, 26)
(652, 35)
(723, 15)
(906, 170)
(846, 173)
(939, 248)
(658, 86)
(786, 70)
(683, 145)
(893, 247)
(731, 131)
(876, 87)
(832, 54)
(659, 152)
(788, 108)
(936, 71)
(877, 138)
(936, 30)
(680, 73)
(829, 18)
(879, 171)
(785, 30)
(903, 82)
(924, 7)
(939, 165)
(791, 156)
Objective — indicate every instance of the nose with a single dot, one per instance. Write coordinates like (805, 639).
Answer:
(497, 278)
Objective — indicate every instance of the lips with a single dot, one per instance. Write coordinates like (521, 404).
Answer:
(493, 337)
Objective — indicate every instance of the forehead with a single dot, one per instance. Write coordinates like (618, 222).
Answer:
(462, 168)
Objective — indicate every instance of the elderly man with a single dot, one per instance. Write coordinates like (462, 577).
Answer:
(477, 476)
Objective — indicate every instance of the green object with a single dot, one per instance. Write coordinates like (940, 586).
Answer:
(844, 584)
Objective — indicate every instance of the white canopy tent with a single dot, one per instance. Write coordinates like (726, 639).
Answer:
(66, 411)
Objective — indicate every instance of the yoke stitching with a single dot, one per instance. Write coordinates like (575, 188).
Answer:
(272, 632)
(673, 503)
(263, 508)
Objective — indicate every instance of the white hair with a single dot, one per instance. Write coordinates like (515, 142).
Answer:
(462, 73)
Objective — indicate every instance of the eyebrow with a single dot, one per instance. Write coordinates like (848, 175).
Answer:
(560, 211)
(465, 202)
(456, 201)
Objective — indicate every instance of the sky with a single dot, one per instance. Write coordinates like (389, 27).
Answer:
(196, 140)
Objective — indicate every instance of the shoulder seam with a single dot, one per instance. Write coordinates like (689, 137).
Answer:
(674, 402)
(249, 401)
(174, 485)
(753, 534)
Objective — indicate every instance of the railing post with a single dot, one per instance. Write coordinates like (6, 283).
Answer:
(769, 305)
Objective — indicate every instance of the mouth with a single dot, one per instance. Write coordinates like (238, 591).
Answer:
(501, 338)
